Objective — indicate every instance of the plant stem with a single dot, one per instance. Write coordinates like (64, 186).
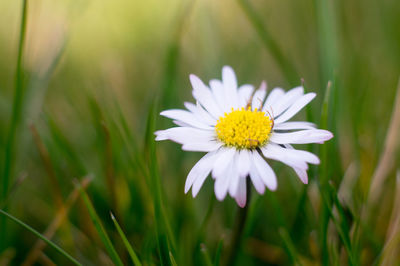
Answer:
(238, 229)
(15, 117)
(17, 106)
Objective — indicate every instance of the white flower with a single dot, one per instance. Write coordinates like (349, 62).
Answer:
(238, 130)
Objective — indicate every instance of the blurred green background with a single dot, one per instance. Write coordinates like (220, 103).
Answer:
(94, 76)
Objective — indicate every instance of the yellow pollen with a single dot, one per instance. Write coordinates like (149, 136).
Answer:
(244, 128)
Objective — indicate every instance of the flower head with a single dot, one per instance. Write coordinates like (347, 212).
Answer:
(239, 127)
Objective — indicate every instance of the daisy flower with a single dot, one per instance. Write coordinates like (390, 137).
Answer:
(239, 128)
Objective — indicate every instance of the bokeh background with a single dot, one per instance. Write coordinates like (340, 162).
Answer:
(94, 76)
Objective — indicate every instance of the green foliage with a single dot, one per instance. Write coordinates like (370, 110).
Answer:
(81, 87)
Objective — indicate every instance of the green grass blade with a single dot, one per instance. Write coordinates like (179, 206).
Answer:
(17, 106)
(172, 259)
(206, 255)
(324, 125)
(10, 148)
(128, 246)
(99, 227)
(270, 44)
(65, 146)
(171, 62)
(344, 231)
(323, 180)
(53, 245)
(341, 226)
(217, 258)
(289, 246)
(165, 237)
(327, 37)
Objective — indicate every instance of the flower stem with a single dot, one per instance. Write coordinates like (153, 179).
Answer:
(238, 229)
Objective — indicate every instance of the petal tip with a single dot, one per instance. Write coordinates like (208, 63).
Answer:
(273, 187)
(241, 204)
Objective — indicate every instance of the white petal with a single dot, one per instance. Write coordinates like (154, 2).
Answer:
(243, 162)
(181, 124)
(222, 183)
(245, 92)
(207, 117)
(185, 135)
(218, 91)
(265, 171)
(229, 77)
(201, 114)
(241, 193)
(301, 173)
(185, 117)
(294, 125)
(272, 152)
(230, 85)
(198, 182)
(207, 146)
(286, 100)
(296, 107)
(190, 106)
(291, 157)
(302, 137)
(199, 172)
(274, 96)
(202, 94)
(222, 162)
(259, 96)
(257, 181)
(234, 182)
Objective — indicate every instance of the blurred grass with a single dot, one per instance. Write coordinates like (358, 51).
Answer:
(10, 149)
(81, 92)
(53, 245)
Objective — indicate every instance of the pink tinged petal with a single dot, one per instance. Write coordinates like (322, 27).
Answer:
(202, 94)
(265, 171)
(294, 125)
(259, 96)
(225, 156)
(274, 96)
(185, 117)
(199, 173)
(257, 181)
(241, 193)
(301, 137)
(302, 174)
(218, 91)
(242, 162)
(245, 92)
(286, 100)
(230, 85)
(296, 107)
(184, 135)
(202, 146)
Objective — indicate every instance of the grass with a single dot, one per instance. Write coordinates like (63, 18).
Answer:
(81, 88)
(10, 143)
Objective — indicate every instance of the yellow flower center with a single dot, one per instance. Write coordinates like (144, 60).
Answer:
(244, 128)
